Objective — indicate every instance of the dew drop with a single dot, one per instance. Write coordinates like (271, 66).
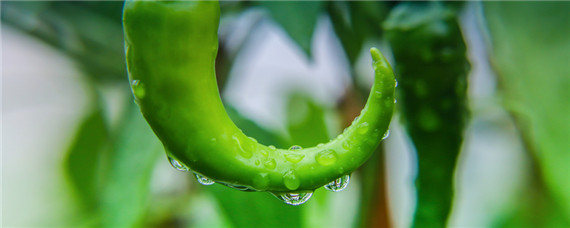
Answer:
(294, 158)
(295, 147)
(257, 162)
(363, 128)
(320, 145)
(338, 184)
(326, 157)
(272, 147)
(395, 101)
(378, 93)
(395, 83)
(261, 181)
(270, 164)
(346, 145)
(244, 153)
(294, 198)
(204, 180)
(290, 180)
(386, 134)
(238, 187)
(253, 139)
(177, 165)
(264, 152)
(138, 89)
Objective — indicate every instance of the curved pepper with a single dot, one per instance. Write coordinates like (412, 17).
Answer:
(171, 48)
(431, 61)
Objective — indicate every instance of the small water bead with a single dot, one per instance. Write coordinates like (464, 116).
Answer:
(395, 101)
(294, 158)
(261, 181)
(204, 180)
(290, 180)
(257, 162)
(238, 187)
(253, 139)
(363, 128)
(395, 83)
(295, 147)
(326, 157)
(320, 145)
(272, 147)
(270, 164)
(264, 152)
(294, 198)
(386, 134)
(244, 153)
(177, 165)
(378, 93)
(138, 89)
(338, 184)
(346, 145)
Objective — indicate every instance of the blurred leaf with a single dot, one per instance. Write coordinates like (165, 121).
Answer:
(256, 209)
(431, 68)
(531, 52)
(83, 162)
(355, 22)
(350, 40)
(306, 121)
(130, 165)
(252, 129)
(233, 7)
(89, 32)
(297, 18)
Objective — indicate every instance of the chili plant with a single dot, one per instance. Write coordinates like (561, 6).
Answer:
(178, 60)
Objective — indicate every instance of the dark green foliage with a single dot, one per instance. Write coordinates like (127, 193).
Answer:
(432, 72)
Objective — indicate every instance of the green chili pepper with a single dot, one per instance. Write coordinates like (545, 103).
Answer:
(171, 49)
(430, 60)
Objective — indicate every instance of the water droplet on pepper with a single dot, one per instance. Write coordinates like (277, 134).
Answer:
(338, 184)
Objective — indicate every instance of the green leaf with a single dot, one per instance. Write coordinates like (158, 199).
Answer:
(83, 161)
(297, 18)
(306, 121)
(355, 22)
(252, 129)
(256, 209)
(89, 32)
(530, 51)
(136, 150)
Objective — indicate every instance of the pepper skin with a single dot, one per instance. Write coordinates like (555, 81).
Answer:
(431, 63)
(171, 48)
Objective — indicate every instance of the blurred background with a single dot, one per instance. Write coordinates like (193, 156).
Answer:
(76, 151)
